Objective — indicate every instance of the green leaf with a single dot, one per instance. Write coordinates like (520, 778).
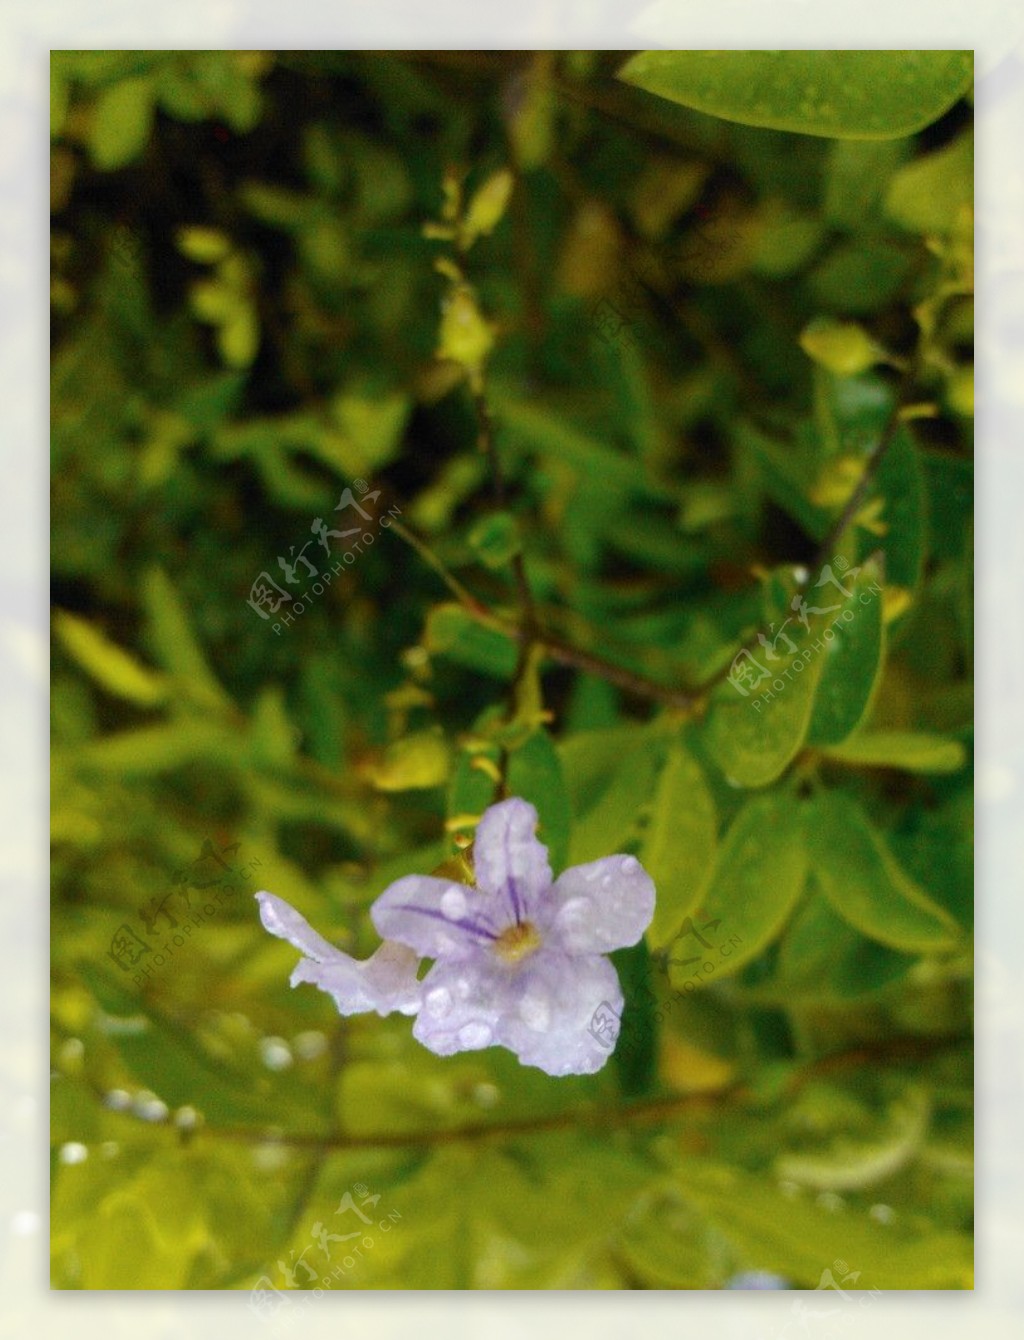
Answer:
(636, 1053)
(145, 1234)
(238, 339)
(848, 1164)
(418, 761)
(162, 1056)
(843, 347)
(474, 783)
(911, 751)
(486, 207)
(156, 749)
(786, 477)
(495, 539)
(680, 843)
(609, 776)
(928, 195)
(175, 642)
(858, 95)
(856, 175)
(823, 957)
(272, 734)
(452, 632)
(753, 888)
(852, 659)
(865, 884)
(669, 1246)
(202, 244)
(122, 119)
(800, 1240)
(535, 773)
(111, 666)
(950, 481)
(527, 427)
(900, 481)
(756, 725)
(59, 98)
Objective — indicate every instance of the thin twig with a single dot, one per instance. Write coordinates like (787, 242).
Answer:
(486, 443)
(557, 649)
(839, 526)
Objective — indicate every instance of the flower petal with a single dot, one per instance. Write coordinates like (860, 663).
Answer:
(282, 920)
(435, 917)
(384, 982)
(508, 860)
(566, 1020)
(463, 1002)
(603, 905)
(555, 1012)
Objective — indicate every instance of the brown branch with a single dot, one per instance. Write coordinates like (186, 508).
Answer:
(894, 1051)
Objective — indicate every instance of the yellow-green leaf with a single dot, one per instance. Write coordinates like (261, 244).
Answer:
(865, 884)
(415, 763)
(115, 669)
(758, 720)
(753, 888)
(203, 244)
(927, 195)
(911, 751)
(175, 642)
(121, 122)
(486, 208)
(680, 843)
(843, 347)
(800, 1239)
(860, 95)
(852, 658)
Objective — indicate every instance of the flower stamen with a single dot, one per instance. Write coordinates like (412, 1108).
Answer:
(517, 942)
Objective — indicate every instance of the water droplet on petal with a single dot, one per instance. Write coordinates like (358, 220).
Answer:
(575, 914)
(535, 1011)
(474, 1035)
(438, 1001)
(453, 902)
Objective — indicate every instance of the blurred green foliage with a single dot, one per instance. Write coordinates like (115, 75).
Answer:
(727, 369)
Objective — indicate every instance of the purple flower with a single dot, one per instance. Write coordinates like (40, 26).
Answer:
(519, 959)
(384, 982)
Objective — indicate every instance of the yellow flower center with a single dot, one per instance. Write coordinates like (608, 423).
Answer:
(517, 942)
